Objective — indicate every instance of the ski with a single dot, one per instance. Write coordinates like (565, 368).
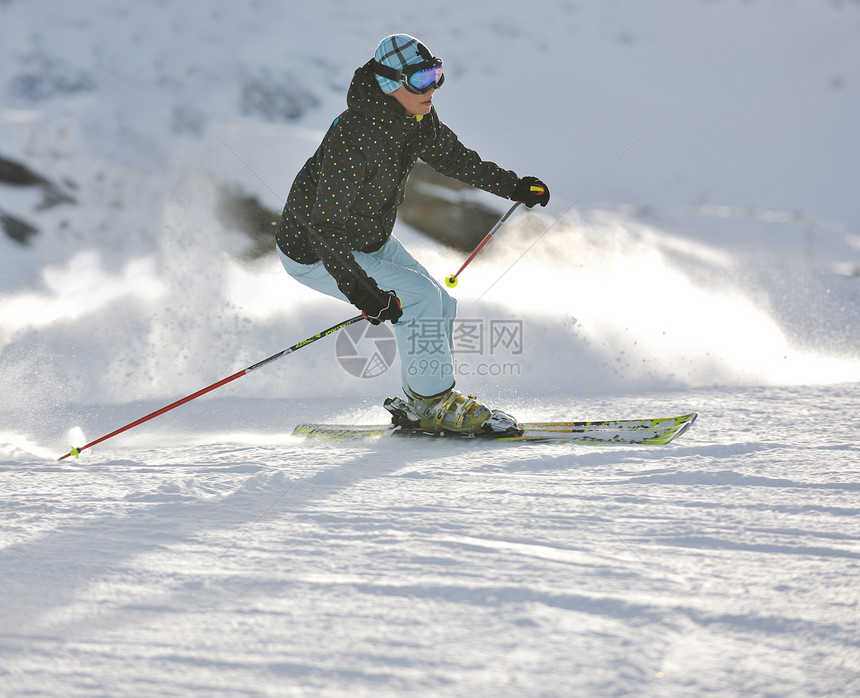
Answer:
(659, 431)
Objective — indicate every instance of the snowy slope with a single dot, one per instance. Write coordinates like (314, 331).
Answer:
(239, 562)
(714, 267)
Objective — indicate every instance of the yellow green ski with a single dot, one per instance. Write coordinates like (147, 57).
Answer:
(659, 431)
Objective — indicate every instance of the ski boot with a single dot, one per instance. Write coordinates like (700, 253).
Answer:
(450, 412)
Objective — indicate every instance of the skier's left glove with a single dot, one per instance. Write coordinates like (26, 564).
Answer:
(531, 191)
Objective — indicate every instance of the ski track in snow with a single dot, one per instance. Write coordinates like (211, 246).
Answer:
(724, 564)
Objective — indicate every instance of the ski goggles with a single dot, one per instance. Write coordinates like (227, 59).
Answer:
(418, 78)
(422, 78)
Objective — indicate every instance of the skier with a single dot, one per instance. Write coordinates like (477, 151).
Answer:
(335, 232)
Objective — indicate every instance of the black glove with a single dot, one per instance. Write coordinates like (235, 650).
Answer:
(377, 305)
(531, 191)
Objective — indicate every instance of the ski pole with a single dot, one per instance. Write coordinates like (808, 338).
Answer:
(274, 357)
(451, 281)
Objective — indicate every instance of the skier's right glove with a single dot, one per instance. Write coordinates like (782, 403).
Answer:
(377, 305)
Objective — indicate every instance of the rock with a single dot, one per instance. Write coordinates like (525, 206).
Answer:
(19, 175)
(441, 208)
(19, 230)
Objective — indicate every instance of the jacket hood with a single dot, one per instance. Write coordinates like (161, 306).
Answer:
(365, 97)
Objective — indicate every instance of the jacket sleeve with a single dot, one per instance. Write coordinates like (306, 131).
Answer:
(341, 172)
(446, 154)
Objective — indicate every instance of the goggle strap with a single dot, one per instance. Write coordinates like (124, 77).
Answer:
(387, 71)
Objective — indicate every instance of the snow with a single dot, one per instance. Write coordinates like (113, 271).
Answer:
(713, 267)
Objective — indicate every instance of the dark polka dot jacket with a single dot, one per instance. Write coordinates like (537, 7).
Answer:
(346, 196)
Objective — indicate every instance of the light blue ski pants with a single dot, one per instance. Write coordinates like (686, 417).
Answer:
(424, 333)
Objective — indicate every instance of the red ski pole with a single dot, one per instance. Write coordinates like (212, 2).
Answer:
(274, 357)
(451, 281)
